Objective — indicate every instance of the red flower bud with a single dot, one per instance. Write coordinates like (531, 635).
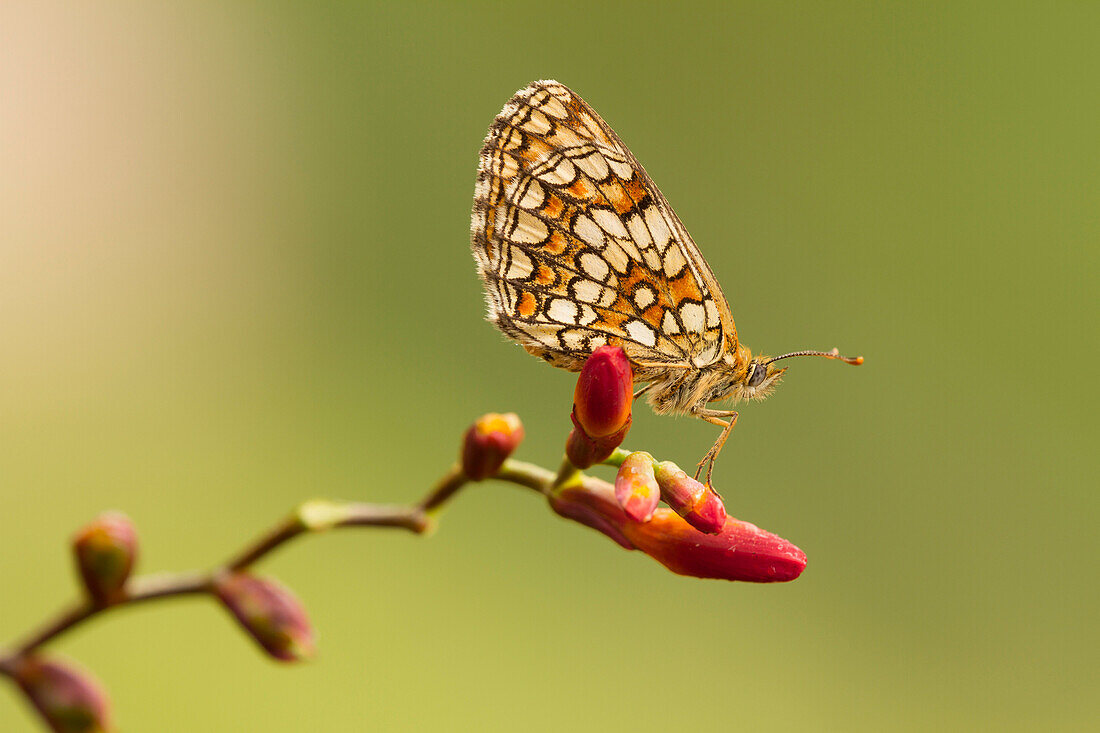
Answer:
(105, 551)
(636, 488)
(604, 393)
(583, 451)
(692, 500)
(269, 613)
(489, 442)
(68, 700)
(740, 551)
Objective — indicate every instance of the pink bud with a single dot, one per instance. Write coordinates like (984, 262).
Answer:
(70, 701)
(105, 552)
(635, 487)
(270, 614)
(709, 513)
(680, 491)
(489, 442)
(604, 393)
(692, 500)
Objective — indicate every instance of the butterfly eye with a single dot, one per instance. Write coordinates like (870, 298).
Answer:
(757, 374)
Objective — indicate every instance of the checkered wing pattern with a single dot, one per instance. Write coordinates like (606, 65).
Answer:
(577, 247)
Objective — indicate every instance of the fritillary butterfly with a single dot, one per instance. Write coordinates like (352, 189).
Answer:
(578, 248)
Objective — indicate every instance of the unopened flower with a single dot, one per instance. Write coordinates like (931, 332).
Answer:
(601, 407)
(604, 393)
(636, 489)
(694, 501)
(489, 442)
(105, 551)
(709, 514)
(270, 614)
(739, 551)
(69, 701)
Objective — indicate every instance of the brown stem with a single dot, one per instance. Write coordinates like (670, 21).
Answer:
(310, 517)
(140, 589)
(412, 518)
(57, 626)
(447, 487)
(285, 531)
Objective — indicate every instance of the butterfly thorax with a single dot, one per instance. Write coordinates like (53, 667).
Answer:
(680, 390)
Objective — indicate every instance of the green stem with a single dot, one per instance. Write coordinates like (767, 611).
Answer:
(526, 474)
(616, 459)
(567, 474)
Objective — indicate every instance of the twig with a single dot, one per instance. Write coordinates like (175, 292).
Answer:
(310, 517)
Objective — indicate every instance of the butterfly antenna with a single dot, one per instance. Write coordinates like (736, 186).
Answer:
(834, 354)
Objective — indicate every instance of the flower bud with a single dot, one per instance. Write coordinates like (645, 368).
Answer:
(489, 442)
(583, 451)
(680, 491)
(269, 613)
(709, 514)
(695, 502)
(68, 700)
(604, 393)
(105, 551)
(740, 551)
(636, 488)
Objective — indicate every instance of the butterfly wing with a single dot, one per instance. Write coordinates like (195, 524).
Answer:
(577, 247)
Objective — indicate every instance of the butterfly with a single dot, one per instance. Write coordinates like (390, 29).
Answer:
(577, 248)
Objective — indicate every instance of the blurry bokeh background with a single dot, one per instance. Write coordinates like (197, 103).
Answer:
(234, 274)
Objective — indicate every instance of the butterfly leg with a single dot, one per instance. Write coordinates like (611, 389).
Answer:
(714, 417)
(643, 390)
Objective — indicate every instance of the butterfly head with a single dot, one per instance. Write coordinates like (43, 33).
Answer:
(760, 379)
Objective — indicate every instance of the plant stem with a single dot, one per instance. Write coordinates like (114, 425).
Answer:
(314, 516)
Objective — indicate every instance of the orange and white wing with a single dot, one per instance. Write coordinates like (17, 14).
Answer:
(577, 247)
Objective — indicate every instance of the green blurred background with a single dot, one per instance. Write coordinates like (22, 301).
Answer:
(235, 274)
